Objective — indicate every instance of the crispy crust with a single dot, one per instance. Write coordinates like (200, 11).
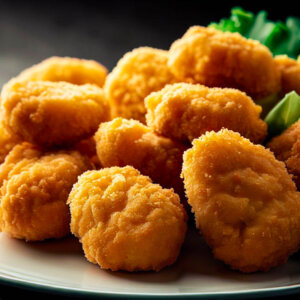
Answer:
(290, 73)
(34, 190)
(53, 113)
(124, 142)
(72, 70)
(137, 74)
(185, 111)
(245, 203)
(125, 222)
(223, 59)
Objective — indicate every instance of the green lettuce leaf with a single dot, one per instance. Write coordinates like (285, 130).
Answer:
(284, 114)
(279, 37)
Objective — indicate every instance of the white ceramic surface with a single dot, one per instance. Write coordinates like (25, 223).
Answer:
(61, 266)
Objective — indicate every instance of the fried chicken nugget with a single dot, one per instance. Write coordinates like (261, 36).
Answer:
(286, 147)
(185, 111)
(72, 70)
(53, 113)
(224, 59)
(125, 222)
(245, 202)
(290, 73)
(34, 190)
(122, 142)
(136, 75)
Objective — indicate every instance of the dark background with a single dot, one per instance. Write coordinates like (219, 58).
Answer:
(103, 30)
(31, 31)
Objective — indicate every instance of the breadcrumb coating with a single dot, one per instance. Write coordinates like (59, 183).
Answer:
(53, 113)
(72, 70)
(125, 222)
(137, 74)
(34, 190)
(286, 147)
(186, 111)
(245, 202)
(7, 141)
(290, 73)
(122, 142)
(224, 59)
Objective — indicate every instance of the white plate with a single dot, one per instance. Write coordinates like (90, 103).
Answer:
(59, 266)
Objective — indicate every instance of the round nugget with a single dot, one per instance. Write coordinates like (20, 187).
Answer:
(122, 142)
(125, 222)
(224, 59)
(290, 73)
(136, 75)
(34, 190)
(185, 111)
(72, 70)
(245, 202)
(286, 147)
(53, 113)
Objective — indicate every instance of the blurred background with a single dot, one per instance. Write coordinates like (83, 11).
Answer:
(31, 31)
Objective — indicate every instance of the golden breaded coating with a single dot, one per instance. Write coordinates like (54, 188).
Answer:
(7, 141)
(290, 73)
(282, 145)
(53, 113)
(245, 202)
(122, 142)
(125, 222)
(286, 147)
(34, 190)
(72, 70)
(224, 59)
(136, 75)
(185, 111)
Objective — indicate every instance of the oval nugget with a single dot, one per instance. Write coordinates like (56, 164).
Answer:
(245, 202)
(136, 75)
(125, 222)
(122, 142)
(35, 186)
(53, 113)
(224, 59)
(185, 111)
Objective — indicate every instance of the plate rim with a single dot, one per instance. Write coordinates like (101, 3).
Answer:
(44, 288)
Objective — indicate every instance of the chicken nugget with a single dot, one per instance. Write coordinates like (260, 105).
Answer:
(290, 73)
(35, 186)
(136, 75)
(224, 59)
(53, 113)
(286, 147)
(245, 202)
(72, 70)
(185, 111)
(125, 222)
(122, 142)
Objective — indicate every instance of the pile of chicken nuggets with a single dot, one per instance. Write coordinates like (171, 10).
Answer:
(122, 159)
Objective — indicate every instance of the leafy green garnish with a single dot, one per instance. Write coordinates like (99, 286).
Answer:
(284, 114)
(279, 37)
